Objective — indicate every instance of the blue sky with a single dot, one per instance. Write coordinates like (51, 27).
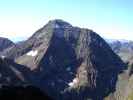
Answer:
(19, 19)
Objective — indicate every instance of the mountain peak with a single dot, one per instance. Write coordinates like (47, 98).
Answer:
(58, 23)
(67, 61)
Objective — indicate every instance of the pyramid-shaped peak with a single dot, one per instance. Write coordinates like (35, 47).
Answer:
(59, 23)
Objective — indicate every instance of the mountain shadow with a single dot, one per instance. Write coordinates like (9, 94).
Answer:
(57, 67)
(22, 93)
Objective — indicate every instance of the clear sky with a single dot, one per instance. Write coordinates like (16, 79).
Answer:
(19, 19)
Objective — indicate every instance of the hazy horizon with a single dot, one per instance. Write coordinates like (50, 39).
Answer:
(110, 19)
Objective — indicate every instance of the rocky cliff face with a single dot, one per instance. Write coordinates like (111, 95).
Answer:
(70, 62)
(12, 73)
(5, 43)
(124, 88)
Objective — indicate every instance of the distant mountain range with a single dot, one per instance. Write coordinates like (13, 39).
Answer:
(69, 63)
(123, 48)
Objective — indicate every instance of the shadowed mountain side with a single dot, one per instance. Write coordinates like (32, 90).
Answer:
(22, 93)
(14, 74)
(57, 67)
(5, 43)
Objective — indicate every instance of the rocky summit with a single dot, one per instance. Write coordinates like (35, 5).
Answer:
(69, 62)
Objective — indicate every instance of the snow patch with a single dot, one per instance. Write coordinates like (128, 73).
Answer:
(75, 80)
(57, 26)
(73, 83)
(3, 57)
(32, 53)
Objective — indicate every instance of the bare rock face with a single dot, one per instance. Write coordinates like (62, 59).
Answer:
(12, 73)
(4, 44)
(69, 62)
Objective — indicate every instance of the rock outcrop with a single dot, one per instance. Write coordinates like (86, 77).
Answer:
(12, 73)
(5, 43)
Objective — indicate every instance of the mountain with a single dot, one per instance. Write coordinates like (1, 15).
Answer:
(123, 48)
(115, 40)
(124, 88)
(16, 50)
(15, 82)
(5, 43)
(69, 62)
